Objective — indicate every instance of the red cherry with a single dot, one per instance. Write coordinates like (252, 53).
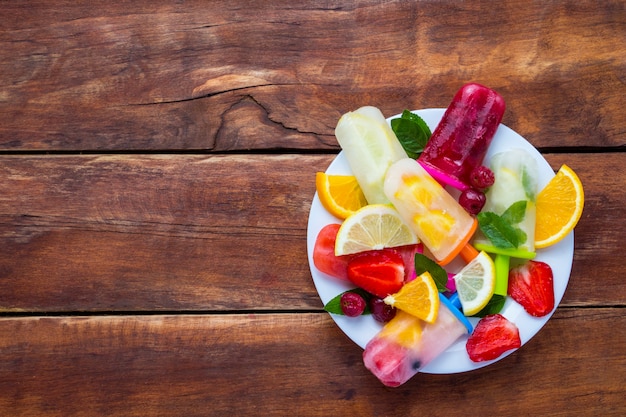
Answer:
(352, 304)
(382, 312)
(482, 177)
(472, 200)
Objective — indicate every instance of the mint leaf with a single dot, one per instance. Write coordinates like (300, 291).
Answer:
(515, 213)
(334, 305)
(528, 182)
(424, 264)
(415, 118)
(493, 306)
(412, 132)
(500, 232)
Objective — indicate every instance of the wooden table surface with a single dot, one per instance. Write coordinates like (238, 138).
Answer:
(157, 164)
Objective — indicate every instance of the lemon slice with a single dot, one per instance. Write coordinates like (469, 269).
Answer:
(559, 207)
(419, 298)
(475, 283)
(341, 195)
(373, 227)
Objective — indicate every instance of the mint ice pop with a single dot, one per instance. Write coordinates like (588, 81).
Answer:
(507, 220)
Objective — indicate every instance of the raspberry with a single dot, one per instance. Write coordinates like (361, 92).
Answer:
(382, 312)
(352, 304)
(472, 200)
(482, 177)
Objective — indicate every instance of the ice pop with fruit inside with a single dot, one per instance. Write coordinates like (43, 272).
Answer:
(507, 221)
(407, 344)
(370, 147)
(441, 224)
(461, 139)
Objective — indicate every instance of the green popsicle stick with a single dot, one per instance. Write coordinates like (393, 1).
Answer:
(502, 274)
(512, 253)
(501, 262)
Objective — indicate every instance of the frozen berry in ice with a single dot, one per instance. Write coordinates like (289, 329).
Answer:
(482, 177)
(472, 200)
(382, 312)
(352, 304)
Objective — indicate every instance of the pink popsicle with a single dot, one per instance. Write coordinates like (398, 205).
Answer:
(407, 344)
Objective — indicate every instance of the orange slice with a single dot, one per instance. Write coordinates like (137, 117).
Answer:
(341, 195)
(559, 207)
(404, 329)
(419, 297)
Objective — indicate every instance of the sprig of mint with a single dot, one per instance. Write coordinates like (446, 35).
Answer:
(502, 231)
(515, 213)
(424, 264)
(412, 132)
(334, 305)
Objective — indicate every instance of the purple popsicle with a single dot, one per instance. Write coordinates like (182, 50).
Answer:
(462, 137)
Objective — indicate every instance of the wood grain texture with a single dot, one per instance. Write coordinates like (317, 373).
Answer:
(157, 165)
(286, 364)
(184, 232)
(241, 75)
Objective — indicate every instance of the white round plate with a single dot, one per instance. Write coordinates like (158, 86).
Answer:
(455, 359)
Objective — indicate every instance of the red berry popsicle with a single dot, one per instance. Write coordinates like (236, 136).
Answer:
(462, 137)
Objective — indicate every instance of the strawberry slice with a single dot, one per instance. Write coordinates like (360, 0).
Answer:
(379, 272)
(492, 336)
(531, 285)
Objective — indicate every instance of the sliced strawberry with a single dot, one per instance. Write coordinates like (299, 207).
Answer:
(531, 285)
(492, 336)
(324, 257)
(379, 272)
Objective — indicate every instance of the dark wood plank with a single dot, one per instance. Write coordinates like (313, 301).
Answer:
(240, 75)
(290, 364)
(164, 233)
(598, 247)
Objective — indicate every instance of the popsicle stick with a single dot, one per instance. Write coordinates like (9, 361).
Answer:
(468, 253)
(502, 273)
(501, 261)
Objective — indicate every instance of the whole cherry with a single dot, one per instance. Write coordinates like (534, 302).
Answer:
(382, 312)
(352, 304)
(472, 200)
(481, 177)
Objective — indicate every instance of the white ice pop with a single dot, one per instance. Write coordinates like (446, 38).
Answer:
(512, 196)
(370, 147)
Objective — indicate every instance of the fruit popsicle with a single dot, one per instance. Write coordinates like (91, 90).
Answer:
(462, 137)
(441, 224)
(370, 147)
(512, 197)
(407, 344)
